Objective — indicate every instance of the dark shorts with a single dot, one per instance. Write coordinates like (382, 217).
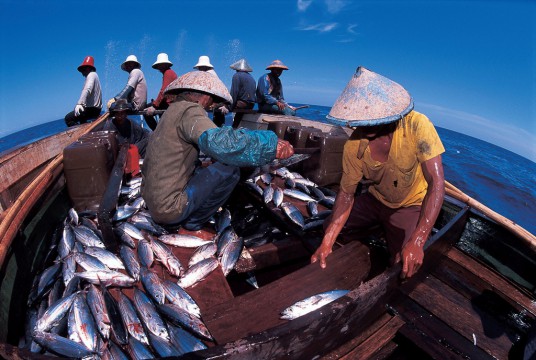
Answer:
(398, 224)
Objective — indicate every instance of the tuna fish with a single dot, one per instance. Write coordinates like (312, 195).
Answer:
(311, 303)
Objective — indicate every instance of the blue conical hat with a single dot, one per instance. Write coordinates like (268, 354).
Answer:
(370, 99)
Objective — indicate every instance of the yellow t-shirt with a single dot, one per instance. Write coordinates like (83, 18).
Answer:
(398, 182)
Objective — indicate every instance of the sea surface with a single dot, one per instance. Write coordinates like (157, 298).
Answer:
(498, 178)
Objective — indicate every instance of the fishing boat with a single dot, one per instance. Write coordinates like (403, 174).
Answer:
(474, 297)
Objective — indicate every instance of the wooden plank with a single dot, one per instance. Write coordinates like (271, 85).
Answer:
(433, 336)
(462, 316)
(349, 346)
(474, 278)
(260, 309)
(277, 253)
(377, 341)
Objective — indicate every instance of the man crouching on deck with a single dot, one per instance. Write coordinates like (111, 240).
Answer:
(176, 190)
(399, 152)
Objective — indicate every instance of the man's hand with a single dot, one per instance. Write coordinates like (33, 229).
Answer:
(412, 256)
(321, 254)
(110, 102)
(150, 111)
(284, 149)
(281, 105)
(78, 109)
(224, 110)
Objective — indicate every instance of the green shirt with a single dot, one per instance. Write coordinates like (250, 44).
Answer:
(171, 159)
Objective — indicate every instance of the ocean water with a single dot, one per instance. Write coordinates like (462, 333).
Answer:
(498, 178)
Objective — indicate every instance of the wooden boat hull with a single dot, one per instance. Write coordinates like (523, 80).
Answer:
(447, 310)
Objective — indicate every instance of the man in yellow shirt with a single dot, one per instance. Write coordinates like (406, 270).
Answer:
(399, 152)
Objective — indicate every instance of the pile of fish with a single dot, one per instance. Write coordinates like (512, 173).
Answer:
(296, 187)
(94, 304)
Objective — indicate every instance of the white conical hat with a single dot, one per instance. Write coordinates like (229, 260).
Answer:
(200, 81)
(203, 61)
(130, 58)
(162, 58)
(241, 65)
(370, 99)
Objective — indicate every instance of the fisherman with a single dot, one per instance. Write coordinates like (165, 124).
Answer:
(135, 91)
(163, 65)
(218, 110)
(270, 91)
(396, 149)
(176, 190)
(127, 130)
(242, 90)
(89, 104)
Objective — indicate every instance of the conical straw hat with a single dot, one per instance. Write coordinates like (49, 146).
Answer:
(200, 81)
(370, 99)
(241, 65)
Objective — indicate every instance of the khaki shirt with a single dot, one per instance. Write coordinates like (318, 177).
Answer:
(171, 159)
(399, 182)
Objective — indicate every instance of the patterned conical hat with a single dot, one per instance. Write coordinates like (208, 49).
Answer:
(241, 65)
(370, 99)
(200, 81)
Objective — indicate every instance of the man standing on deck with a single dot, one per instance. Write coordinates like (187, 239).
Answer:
(89, 104)
(176, 189)
(163, 65)
(270, 91)
(135, 91)
(399, 152)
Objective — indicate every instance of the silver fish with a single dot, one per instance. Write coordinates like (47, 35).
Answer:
(96, 303)
(312, 208)
(163, 348)
(44, 283)
(131, 262)
(278, 196)
(54, 314)
(73, 217)
(328, 201)
(124, 212)
(153, 285)
(108, 258)
(117, 353)
(145, 253)
(317, 193)
(268, 194)
(203, 252)
(83, 325)
(224, 220)
(107, 278)
(131, 230)
(130, 319)
(311, 303)
(304, 181)
(118, 331)
(310, 225)
(125, 238)
(230, 252)
(179, 316)
(254, 187)
(90, 224)
(138, 203)
(266, 178)
(138, 351)
(166, 257)
(68, 269)
(149, 315)
(186, 241)
(89, 262)
(61, 345)
(87, 236)
(293, 213)
(176, 295)
(146, 223)
(184, 341)
(298, 195)
(198, 272)
(67, 240)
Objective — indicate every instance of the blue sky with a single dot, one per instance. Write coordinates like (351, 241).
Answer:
(469, 65)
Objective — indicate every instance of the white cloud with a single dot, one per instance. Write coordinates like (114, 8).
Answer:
(335, 6)
(304, 4)
(321, 27)
(351, 28)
